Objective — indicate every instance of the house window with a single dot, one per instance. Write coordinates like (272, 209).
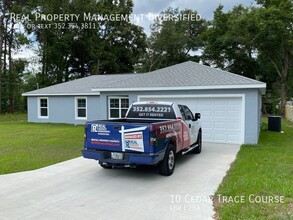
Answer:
(43, 108)
(80, 108)
(118, 107)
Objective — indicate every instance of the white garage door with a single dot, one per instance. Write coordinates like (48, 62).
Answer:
(221, 117)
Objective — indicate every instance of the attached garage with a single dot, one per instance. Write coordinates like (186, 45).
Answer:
(230, 104)
(222, 117)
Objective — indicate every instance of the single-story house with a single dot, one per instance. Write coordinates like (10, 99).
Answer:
(230, 104)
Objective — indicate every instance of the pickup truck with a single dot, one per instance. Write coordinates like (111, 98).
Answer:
(151, 133)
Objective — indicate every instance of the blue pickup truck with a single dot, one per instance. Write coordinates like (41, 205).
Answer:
(150, 134)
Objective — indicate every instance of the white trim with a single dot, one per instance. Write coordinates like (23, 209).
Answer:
(76, 108)
(116, 97)
(62, 94)
(243, 118)
(242, 96)
(39, 108)
(262, 87)
(190, 96)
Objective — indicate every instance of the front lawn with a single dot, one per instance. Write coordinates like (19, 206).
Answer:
(28, 146)
(260, 172)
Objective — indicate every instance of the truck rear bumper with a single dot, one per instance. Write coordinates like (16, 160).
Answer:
(128, 158)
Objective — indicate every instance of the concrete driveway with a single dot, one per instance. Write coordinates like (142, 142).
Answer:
(80, 189)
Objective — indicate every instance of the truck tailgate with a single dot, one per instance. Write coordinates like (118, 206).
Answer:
(118, 137)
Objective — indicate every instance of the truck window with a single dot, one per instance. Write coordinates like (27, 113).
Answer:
(188, 114)
(151, 111)
(182, 111)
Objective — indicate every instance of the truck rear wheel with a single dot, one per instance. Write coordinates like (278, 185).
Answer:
(197, 150)
(167, 166)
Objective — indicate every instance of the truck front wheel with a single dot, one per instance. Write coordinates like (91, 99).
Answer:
(197, 150)
(167, 166)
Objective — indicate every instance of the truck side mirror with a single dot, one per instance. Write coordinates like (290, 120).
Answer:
(197, 116)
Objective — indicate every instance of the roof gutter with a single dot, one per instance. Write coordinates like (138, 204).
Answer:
(61, 94)
(261, 87)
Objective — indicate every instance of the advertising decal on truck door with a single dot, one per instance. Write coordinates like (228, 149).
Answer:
(132, 139)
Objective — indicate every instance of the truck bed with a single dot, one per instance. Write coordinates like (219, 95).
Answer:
(118, 134)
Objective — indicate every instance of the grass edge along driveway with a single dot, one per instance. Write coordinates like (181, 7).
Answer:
(27, 146)
(259, 184)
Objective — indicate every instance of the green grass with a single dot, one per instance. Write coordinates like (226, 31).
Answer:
(265, 169)
(18, 117)
(28, 146)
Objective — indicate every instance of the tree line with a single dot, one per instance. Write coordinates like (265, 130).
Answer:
(256, 42)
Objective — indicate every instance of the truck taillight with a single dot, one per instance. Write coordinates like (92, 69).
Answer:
(153, 138)
(153, 141)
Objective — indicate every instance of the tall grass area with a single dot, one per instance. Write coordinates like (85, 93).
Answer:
(17, 117)
(263, 170)
(28, 146)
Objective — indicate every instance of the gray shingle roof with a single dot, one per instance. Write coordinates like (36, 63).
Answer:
(80, 86)
(184, 74)
(188, 74)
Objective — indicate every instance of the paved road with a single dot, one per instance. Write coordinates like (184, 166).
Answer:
(80, 189)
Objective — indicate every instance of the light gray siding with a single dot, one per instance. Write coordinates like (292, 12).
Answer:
(62, 109)
(252, 117)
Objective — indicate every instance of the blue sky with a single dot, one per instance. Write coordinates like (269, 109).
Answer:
(204, 7)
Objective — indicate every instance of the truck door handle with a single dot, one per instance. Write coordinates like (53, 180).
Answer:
(189, 125)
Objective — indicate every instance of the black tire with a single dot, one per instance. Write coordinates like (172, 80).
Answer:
(197, 150)
(105, 165)
(167, 166)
